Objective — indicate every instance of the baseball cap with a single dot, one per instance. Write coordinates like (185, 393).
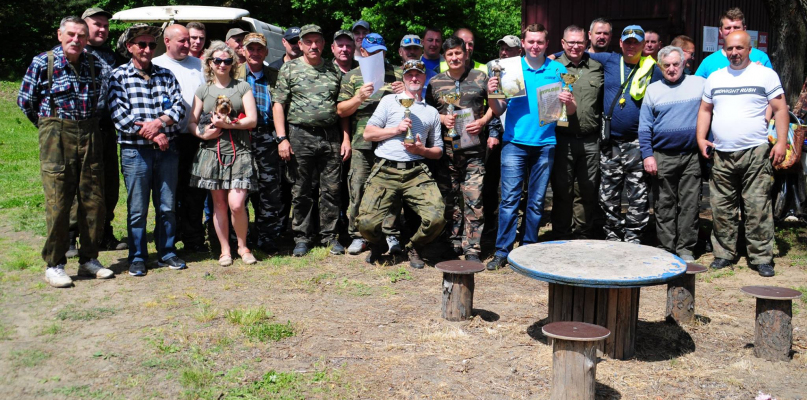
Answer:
(254, 38)
(509, 40)
(411, 40)
(292, 33)
(373, 42)
(234, 32)
(310, 28)
(364, 24)
(414, 64)
(343, 32)
(95, 11)
(633, 31)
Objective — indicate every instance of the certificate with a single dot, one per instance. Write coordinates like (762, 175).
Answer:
(548, 103)
(464, 117)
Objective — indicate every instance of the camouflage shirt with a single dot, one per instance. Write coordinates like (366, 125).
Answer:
(351, 82)
(309, 91)
(473, 87)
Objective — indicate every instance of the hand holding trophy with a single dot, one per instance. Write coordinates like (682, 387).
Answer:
(496, 71)
(568, 81)
(407, 102)
(452, 99)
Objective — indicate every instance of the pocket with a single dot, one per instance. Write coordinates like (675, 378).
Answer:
(51, 150)
(373, 197)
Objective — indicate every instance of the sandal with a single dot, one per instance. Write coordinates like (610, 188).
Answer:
(225, 260)
(247, 257)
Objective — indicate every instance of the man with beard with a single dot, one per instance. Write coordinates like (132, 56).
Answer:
(599, 36)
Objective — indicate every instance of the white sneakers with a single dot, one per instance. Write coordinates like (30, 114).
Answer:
(57, 277)
(94, 269)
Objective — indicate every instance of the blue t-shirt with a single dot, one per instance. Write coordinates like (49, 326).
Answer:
(718, 60)
(625, 119)
(432, 68)
(523, 125)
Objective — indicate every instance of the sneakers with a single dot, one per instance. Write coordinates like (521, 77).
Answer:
(374, 255)
(357, 246)
(137, 268)
(173, 263)
(764, 270)
(496, 263)
(720, 263)
(56, 277)
(414, 259)
(94, 269)
(687, 257)
(393, 245)
(300, 249)
(472, 257)
(336, 247)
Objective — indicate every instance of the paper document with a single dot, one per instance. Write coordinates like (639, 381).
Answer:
(464, 117)
(548, 103)
(512, 79)
(372, 70)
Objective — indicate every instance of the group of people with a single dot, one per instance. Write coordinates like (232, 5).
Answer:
(220, 125)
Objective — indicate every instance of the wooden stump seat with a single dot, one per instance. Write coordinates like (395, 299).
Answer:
(681, 296)
(574, 358)
(773, 331)
(458, 288)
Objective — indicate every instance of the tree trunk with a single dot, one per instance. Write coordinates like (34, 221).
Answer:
(789, 21)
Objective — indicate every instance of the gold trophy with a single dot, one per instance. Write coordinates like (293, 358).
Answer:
(407, 102)
(496, 71)
(452, 99)
(568, 81)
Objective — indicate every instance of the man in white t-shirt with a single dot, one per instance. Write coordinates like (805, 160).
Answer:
(743, 159)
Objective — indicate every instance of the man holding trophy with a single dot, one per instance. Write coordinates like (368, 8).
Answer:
(406, 131)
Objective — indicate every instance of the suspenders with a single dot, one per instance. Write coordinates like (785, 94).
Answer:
(93, 102)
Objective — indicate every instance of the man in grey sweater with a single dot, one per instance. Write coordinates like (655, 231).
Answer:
(667, 139)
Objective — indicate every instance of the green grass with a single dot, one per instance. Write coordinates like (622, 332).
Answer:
(71, 313)
(52, 329)
(400, 274)
(204, 383)
(84, 392)
(249, 316)
(18, 256)
(162, 347)
(28, 358)
(264, 332)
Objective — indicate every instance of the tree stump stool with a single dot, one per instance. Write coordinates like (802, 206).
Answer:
(681, 296)
(574, 358)
(458, 288)
(773, 331)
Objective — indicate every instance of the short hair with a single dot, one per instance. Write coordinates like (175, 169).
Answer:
(667, 50)
(74, 19)
(207, 57)
(680, 40)
(196, 25)
(734, 14)
(534, 28)
(572, 28)
(648, 31)
(432, 29)
(453, 42)
(600, 21)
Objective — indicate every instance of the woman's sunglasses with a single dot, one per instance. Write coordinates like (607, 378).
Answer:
(226, 61)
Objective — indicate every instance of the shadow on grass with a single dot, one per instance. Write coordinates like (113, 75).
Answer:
(535, 330)
(605, 392)
(487, 316)
(661, 341)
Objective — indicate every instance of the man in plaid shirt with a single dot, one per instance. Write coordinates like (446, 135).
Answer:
(146, 105)
(61, 94)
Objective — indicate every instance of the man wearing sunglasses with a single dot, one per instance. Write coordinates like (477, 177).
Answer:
(291, 42)
(313, 145)
(147, 105)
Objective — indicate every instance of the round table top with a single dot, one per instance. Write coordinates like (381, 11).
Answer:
(771, 292)
(693, 268)
(575, 331)
(596, 263)
(460, 267)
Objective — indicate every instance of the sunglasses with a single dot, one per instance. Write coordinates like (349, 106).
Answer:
(414, 64)
(375, 40)
(150, 45)
(226, 61)
(632, 31)
(409, 41)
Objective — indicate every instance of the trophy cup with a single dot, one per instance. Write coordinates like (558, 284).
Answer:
(496, 71)
(568, 81)
(452, 99)
(407, 102)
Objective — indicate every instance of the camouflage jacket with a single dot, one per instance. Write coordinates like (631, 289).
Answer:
(309, 91)
(351, 82)
(473, 93)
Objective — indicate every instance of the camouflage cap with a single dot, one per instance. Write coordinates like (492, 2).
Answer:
(254, 38)
(510, 41)
(95, 11)
(310, 28)
(414, 64)
(344, 32)
(133, 32)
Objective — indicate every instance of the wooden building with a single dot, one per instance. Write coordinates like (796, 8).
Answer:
(670, 18)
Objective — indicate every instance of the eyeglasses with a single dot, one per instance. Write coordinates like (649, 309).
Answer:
(632, 31)
(574, 44)
(150, 45)
(408, 41)
(226, 61)
(375, 40)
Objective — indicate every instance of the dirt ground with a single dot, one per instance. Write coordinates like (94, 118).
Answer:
(362, 331)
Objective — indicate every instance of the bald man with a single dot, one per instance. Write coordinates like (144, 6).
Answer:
(733, 106)
(190, 200)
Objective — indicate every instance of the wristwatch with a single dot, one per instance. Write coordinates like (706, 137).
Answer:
(162, 122)
(280, 139)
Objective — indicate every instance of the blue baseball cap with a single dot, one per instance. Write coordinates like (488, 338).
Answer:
(373, 42)
(633, 31)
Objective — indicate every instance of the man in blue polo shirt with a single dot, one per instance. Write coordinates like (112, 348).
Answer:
(732, 20)
(527, 143)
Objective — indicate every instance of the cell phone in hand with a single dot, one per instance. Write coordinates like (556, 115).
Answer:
(709, 151)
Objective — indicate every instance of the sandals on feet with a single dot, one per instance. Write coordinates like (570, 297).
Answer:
(225, 260)
(247, 257)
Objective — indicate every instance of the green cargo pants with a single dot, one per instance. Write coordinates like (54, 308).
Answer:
(677, 188)
(361, 163)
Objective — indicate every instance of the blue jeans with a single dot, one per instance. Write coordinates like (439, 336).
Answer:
(517, 160)
(149, 171)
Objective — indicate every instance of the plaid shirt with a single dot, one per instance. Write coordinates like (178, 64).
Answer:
(133, 99)
(261, 90)
(73, 95)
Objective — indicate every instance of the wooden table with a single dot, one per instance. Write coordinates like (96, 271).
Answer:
(598, 282)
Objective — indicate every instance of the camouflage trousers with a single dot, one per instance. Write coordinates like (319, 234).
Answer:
(267, 200)
(575, 181)
(361, 164)
(676, 190)
(742, 177)
(621, 166)
(460, 180)
(71, 161)
(388, 189)
(316, 156)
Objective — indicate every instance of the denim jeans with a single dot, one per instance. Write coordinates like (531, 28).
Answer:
(150, 171)
(517, 160)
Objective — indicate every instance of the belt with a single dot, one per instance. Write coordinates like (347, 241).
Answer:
(141, 146)
(399, 164)
(315, 129)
